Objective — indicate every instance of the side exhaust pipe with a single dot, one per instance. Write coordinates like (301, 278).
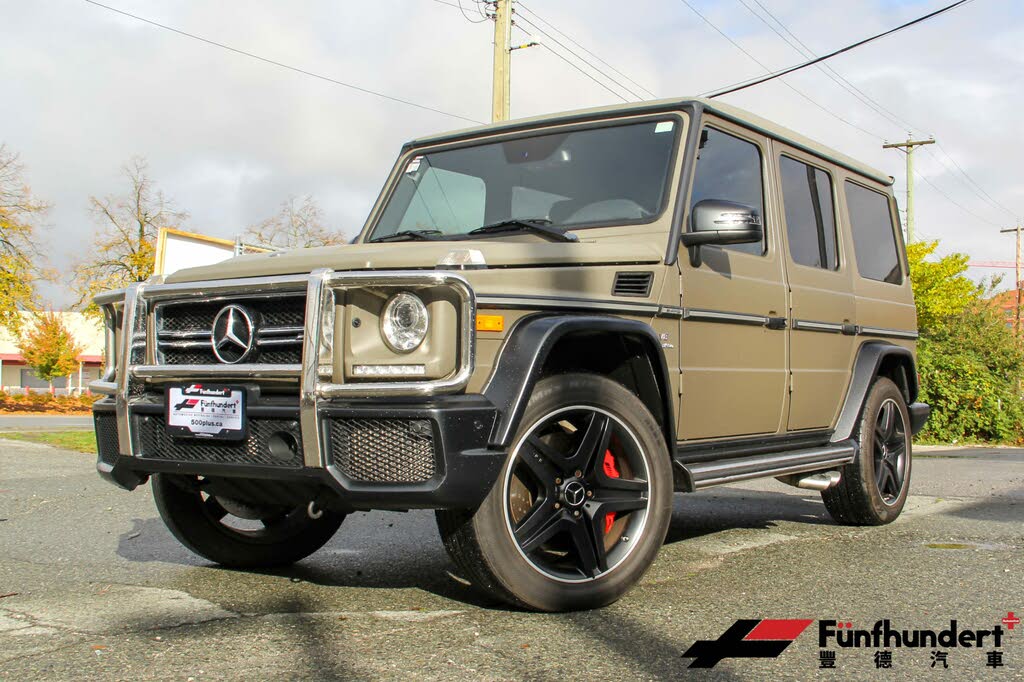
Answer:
(822, 480)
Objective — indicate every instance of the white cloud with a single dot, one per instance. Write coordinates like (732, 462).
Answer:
(229, 137)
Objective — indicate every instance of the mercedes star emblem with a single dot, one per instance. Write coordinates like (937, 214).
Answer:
(574, 493)
(233, 334)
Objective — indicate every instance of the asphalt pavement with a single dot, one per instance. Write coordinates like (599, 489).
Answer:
(44, 422)
(92, 586)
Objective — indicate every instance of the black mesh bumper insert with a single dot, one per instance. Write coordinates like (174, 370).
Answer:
(384, 450)
(106, 436)
(155, 443)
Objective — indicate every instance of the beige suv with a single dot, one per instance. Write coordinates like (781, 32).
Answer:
(545, 329)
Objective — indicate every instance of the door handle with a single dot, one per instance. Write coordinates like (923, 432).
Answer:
(775, 322)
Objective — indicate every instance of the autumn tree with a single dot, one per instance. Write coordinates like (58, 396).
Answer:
(299, 224)
(20, 260)
(49, 349)
(128, 224)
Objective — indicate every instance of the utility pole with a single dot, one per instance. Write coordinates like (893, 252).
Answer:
(1017, 282)
(502, 59)
(503, 48)
(908, 149)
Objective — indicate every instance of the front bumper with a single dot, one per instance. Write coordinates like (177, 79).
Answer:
(367, 444)
(919, 413)
(431, 454)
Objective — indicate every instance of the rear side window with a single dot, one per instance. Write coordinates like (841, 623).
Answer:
(729, 169)
(810, 214)
(874, 239)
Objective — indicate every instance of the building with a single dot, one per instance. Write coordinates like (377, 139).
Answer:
(1006, 301)
(15, 375)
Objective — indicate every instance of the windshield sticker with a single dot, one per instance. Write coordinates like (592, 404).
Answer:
(664, 127)
(414, 165)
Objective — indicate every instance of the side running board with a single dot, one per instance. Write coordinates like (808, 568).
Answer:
(707, 474)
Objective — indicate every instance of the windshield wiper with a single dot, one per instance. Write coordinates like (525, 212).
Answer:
(541, 226)
(410, 235)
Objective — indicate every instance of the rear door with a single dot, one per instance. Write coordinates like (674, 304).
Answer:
(822, 305)
(733, 345)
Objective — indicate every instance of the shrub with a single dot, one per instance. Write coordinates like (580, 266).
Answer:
(971, 364)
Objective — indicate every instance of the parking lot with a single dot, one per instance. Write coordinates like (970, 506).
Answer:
(92, 586)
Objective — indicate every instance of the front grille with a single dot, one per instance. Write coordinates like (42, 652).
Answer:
(106, 436)
(156, 443)
(184, 330)
(384, 450)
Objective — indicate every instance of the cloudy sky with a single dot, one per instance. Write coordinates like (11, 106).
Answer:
(229, 138)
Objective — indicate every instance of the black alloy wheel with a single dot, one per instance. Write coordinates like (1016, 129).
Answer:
(873, 489)
(577, 493)
(890, 451)
(581, 506)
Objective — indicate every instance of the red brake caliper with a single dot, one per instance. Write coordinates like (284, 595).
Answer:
(611, 471)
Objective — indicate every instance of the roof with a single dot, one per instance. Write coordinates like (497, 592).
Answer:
(727, 111)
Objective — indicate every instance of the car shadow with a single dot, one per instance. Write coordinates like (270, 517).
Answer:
(393, 550)
(389, 550)
(714, 511)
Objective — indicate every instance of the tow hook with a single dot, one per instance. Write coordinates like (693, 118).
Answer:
(313, 511)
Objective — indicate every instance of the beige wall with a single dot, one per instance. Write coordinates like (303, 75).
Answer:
(87, 332)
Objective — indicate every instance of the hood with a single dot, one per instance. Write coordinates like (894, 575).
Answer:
(424, 255)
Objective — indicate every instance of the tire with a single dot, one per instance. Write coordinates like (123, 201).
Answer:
(215, 528)
(582, 504)
(873, 488)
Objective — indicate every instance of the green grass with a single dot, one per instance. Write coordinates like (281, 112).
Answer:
(80, 441)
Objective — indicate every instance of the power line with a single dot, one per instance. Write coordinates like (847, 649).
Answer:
(804, 51)
(458, 5)
(869, 101)
(590, 52)
(796, 67)
(281, 64)
(570, 51)
(577, 56)
(469, 18)
(955, 203)
(992, 201)
(575, 66)
(768, 70)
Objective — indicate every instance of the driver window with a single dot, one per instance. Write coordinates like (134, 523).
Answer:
(729, 169)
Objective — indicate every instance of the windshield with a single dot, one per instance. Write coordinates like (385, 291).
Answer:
(585, 178)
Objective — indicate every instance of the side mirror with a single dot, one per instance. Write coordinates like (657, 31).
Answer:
(713, 221)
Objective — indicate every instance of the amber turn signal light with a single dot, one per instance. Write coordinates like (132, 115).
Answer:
(490, 323)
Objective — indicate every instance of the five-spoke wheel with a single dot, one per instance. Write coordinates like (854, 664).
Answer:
(582, 505)
(873, 488)
(890, 451)
(577, 493)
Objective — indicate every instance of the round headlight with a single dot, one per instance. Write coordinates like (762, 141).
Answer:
(404, 322)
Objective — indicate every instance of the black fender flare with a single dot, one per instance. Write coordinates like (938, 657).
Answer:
(521, 360)
(870, 358)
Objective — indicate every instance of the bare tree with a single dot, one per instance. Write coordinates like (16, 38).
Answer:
(127, 228)
(299, 224)
(20, 259)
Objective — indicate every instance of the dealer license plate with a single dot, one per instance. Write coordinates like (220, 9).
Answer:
(206, 411)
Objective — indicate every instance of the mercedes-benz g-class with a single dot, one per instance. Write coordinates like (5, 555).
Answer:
(545, 328)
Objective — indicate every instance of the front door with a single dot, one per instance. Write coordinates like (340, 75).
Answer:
(733, 346)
